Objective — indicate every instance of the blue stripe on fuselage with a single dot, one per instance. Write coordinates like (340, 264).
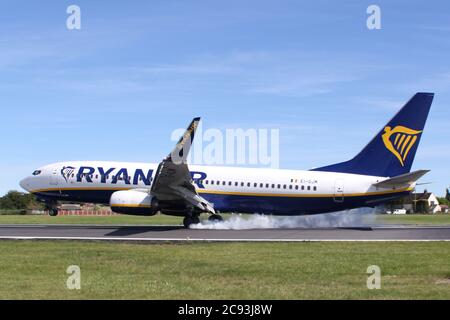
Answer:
(245, 203)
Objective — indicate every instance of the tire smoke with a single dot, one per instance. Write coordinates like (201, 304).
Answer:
(362, 217)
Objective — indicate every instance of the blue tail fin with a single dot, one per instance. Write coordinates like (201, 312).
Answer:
(391, 152)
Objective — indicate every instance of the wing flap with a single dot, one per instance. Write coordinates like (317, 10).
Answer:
(195, 199)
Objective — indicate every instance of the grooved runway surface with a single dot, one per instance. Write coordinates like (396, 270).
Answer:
(177, 233)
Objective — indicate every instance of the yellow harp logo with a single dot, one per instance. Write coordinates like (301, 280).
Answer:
(399, 141)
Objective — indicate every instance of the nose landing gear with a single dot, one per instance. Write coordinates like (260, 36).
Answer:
(52, 208)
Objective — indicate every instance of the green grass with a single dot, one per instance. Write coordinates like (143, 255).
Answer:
(420, 219)
(443, 219)
(115, 220)
(37, 270)
(12, 211)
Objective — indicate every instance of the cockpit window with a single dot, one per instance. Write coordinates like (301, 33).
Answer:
(37, 172)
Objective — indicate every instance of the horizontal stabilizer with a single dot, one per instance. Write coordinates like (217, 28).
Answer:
(401, 180)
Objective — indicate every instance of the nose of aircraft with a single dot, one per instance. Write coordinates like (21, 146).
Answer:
(24, 183)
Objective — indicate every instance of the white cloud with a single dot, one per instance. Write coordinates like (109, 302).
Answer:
(380, 102)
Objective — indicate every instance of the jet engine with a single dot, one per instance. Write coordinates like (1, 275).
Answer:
(133, 202)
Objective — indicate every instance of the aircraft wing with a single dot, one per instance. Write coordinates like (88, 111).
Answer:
(173, 180)
(401, 180)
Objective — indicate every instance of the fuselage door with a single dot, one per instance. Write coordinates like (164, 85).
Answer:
(339, 190)
(54, 178)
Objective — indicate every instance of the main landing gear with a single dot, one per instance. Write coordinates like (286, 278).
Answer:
(215, 218)
(193, 219)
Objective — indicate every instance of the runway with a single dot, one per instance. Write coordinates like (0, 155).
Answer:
(177, 233)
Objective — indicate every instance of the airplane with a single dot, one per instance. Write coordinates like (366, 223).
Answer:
(379, 173)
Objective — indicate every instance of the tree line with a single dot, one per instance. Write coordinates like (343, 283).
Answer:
(15, 200)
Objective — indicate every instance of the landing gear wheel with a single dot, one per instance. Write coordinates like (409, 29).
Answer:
(53, 212)
(215, 218)
(187, 221)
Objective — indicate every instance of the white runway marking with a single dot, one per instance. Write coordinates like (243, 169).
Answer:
(215, 240)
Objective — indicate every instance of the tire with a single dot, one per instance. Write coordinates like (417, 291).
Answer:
(187, 221)
(215, 218)
(53, 212)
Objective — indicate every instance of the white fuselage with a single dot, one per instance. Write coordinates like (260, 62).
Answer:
(235, 189)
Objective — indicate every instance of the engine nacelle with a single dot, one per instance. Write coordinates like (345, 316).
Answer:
(133, 202)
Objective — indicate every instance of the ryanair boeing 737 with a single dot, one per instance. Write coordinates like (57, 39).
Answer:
(377, 174)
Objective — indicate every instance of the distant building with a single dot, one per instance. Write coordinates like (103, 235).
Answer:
(425, 202)
(77, 206)
(444, 208)
(69, 206)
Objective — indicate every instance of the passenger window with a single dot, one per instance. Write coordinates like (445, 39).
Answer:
(284, 186)
(212, 181)
(261, 185)
(279, 186)
(296, 187)
(206, 181)
(229, 183)
(303, 187)
(273, 185)
(236, 184)
(309, 188)
(290, 187)
(315, 188)
(248, 184)
(242, 184)
(224, 183)
(267, 185)
(255, 185)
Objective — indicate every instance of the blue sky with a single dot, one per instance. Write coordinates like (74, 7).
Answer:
(117, 88)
